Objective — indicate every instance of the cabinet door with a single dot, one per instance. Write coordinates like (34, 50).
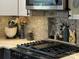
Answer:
(74, 6)
(22, 8)
(9, 7)
(1, 53)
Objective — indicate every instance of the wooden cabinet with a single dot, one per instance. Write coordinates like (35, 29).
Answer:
(1, 53)
(13, 8)
(4, 53)
(8, 7)
(74, 6)
(22, 8)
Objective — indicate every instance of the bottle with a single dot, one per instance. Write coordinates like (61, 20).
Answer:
(66, 33)
(22, 32)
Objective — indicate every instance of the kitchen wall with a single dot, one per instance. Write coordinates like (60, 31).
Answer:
(77, 31)
(3, 24)
(61, 17)
(38, 24)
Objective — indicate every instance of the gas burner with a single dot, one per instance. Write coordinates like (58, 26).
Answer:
(46, 49)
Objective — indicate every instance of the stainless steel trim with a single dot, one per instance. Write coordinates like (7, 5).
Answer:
(45, 7)
(76, 17)
(61, 42)
(53, 7)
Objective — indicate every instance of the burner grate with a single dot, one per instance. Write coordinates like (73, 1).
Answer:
(49, 50)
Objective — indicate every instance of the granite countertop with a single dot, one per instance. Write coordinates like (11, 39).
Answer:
(11, 43)
(73, 56)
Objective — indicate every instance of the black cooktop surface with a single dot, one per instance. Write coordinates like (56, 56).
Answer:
(45, 49)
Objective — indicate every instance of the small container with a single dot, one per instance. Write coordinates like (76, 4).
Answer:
(30, 35)
(22, 32)
(10, 32)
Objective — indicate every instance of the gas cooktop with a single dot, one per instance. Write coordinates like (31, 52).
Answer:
(45, 49)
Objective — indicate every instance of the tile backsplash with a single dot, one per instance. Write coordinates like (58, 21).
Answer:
(38, 24)
(3, 24)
